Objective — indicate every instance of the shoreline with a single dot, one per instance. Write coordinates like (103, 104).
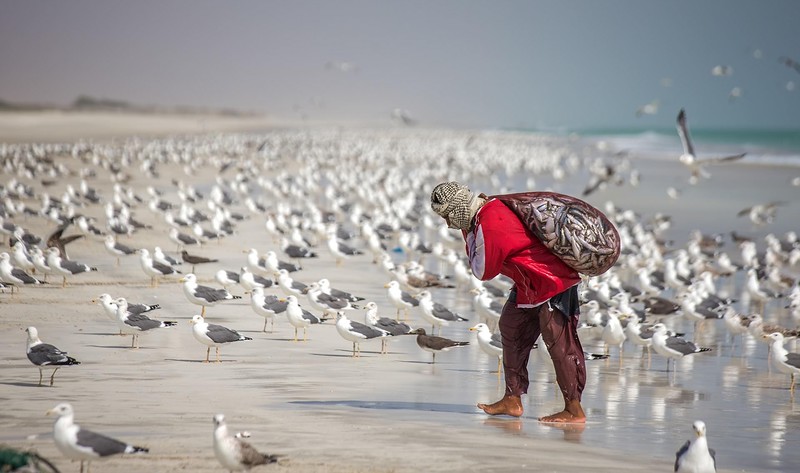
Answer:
(309, 401)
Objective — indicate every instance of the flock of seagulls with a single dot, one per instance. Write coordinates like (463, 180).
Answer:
(313, 212)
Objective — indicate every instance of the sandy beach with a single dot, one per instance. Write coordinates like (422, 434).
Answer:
(311, 401)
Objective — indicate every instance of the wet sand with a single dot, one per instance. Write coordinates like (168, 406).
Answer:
(326, 411)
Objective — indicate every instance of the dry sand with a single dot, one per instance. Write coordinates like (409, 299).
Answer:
(310, 401)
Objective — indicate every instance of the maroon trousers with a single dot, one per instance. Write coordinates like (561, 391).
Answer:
(520, 328)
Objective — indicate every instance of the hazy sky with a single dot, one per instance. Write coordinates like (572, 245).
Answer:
(494, 63)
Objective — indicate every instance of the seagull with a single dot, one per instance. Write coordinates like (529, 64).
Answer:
(487, 308)
(226, 278)
(325, 285)
(436, 313)
(688, 157)
(266, 306)
(384, 323)
(152, 268)
(299, 317)
(65, 267)
(135, 323)
(77, 443)
(289, 286)
(12, 275)
(182, 239)
(213, 335)
(434, 344)
(204, 295)
(695, 456)
(250, 281)
(782, 360)
(400, 298)
(117, 249)
(163, 258)
(338, 249)
(325, 302)
(194, 260)
(356, 332)
(233, 453)
(490, 343)
(273, 264)
(43, 354)
(672, 347)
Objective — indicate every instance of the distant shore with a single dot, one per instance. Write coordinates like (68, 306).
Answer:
(60, 126)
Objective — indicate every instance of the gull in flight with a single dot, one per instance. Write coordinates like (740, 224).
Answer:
(690, 159)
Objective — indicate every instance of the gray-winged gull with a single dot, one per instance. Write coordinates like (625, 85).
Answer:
(356, 332)
(233, 453)
(136, 323)
(393, 327)
(672, 347)
(12, 275)
(213, 335)
(153, 268)
(204, 295)
(490, 343)
(695, 456)
(84, 445)
(400, 298)
(299, 317)
(43, 354)
(65, 267)
(266, 306)
(782, 359)
(436, 313)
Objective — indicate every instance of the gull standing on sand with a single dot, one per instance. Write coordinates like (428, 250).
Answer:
(434, 344)
(782, 360)
(135, 323)
(250, 281)
(204, 295)
(77, 443)
(14, 276)
(436, 313)
(299, 317)
(117, 249)
(357, 332)
(233, 453)
(213, 335)
(338, 249)
(289, 286)
(154, 269)
(266, 306)
(65, 267)
(672, 347)
(391, 326)
(690, 159)
(695, 456)
(400, 298)
(43, 354)
(490, 343)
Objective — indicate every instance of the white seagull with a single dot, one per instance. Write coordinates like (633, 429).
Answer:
(204, 295)
(84, 445)
(690, 159)
(695, 456)
(43, 354)
(357, 332)
(490, 343)
(213, 335)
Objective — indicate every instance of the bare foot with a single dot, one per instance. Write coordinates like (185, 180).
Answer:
(572, 414)
(563, 417)
(509, 405)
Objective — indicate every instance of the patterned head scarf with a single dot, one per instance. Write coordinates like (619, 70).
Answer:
(455, 202)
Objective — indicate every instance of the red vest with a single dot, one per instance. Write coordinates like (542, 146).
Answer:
(500, 244)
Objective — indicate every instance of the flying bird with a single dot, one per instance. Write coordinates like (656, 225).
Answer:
(690, 159)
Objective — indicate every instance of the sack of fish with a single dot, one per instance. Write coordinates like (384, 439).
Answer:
(579, 234)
